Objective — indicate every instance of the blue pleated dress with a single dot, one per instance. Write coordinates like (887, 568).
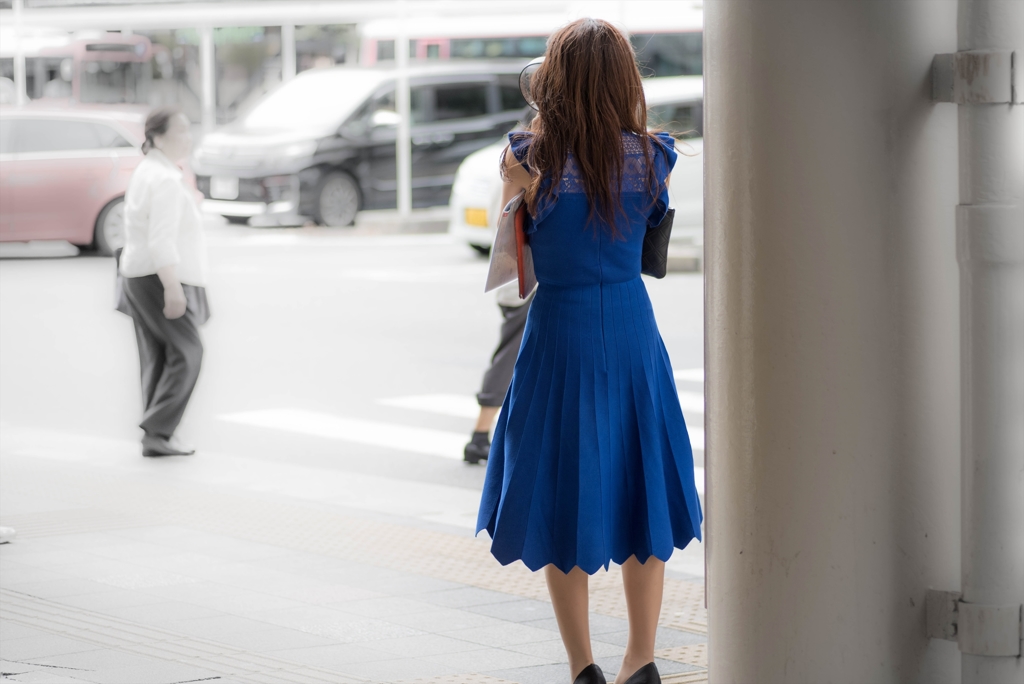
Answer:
(591, 462)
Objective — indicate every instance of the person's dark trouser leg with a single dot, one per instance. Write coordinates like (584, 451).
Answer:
(497, 379)
(184, 356)
(170, 375)
(151, 361)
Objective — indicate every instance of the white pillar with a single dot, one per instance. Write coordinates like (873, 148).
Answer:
(403, 143)
(19, 54)
(287, 52)
(831, 356)
(990, 241)
(208, 69)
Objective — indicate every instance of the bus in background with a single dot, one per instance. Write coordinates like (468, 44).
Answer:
(668, 42)
(110, 68)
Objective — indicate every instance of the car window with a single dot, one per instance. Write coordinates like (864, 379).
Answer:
(108, 137)
(417, 103)
(6, 135)
(683, 120)
(61, 135)
(317, 99)
(460, 101)
(511, 98)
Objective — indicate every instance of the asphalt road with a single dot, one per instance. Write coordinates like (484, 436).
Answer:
(332, 361)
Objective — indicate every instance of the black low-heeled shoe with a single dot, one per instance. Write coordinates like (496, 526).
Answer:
(648, 674)
(591, 674)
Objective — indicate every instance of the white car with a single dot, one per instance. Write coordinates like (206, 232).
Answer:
(674, 104)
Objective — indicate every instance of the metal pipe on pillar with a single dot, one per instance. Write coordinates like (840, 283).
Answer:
(403, 141)
(21, 94)
(208, 72)
(287, 52)
(990, 249)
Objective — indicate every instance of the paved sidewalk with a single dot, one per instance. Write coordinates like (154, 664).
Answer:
(123, 571)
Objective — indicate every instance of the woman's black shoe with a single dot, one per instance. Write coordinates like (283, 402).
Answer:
(648, 674)
(591, 675)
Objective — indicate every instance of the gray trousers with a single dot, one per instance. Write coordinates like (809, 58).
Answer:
(499, 376)
(170, 352)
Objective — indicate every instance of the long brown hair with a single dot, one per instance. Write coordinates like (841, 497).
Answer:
(588, 92)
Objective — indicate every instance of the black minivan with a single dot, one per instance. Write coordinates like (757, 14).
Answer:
(322, 145)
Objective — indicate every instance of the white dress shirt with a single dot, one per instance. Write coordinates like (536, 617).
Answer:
(163, 223)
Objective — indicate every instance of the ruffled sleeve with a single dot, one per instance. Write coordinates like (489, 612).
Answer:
(519, 142)
(664, 159)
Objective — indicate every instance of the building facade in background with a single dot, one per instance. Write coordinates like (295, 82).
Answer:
(157, 65)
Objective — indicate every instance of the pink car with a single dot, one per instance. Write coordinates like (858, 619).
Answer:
(63, 174)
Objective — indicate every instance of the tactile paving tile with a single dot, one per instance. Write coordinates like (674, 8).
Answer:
(691, 654)
(108, 632)
(686, 678)
(458, 679)
(288, 524)
(683, 606)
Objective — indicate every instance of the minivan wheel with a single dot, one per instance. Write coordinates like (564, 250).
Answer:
(338, 200)
(108, 236)
(482, 250)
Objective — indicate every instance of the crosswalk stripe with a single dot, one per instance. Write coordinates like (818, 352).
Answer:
(431, 502)
(458, 405)
(373, 433)
(444, 504)
(696, 437)
(690, 374)
(465, 405)
(692, 402)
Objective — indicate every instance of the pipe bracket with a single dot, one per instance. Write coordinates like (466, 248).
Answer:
(977, 77)
(988, 630)
(990, 233)
(941, 614)
(978, 629)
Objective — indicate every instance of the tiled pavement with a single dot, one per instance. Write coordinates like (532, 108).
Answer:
(123, 575)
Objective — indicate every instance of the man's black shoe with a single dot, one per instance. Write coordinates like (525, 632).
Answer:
(154, 445)
(478, 448)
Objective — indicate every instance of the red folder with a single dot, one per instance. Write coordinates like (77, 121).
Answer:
(521, 243)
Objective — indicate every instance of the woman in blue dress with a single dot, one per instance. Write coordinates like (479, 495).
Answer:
(591, 462)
